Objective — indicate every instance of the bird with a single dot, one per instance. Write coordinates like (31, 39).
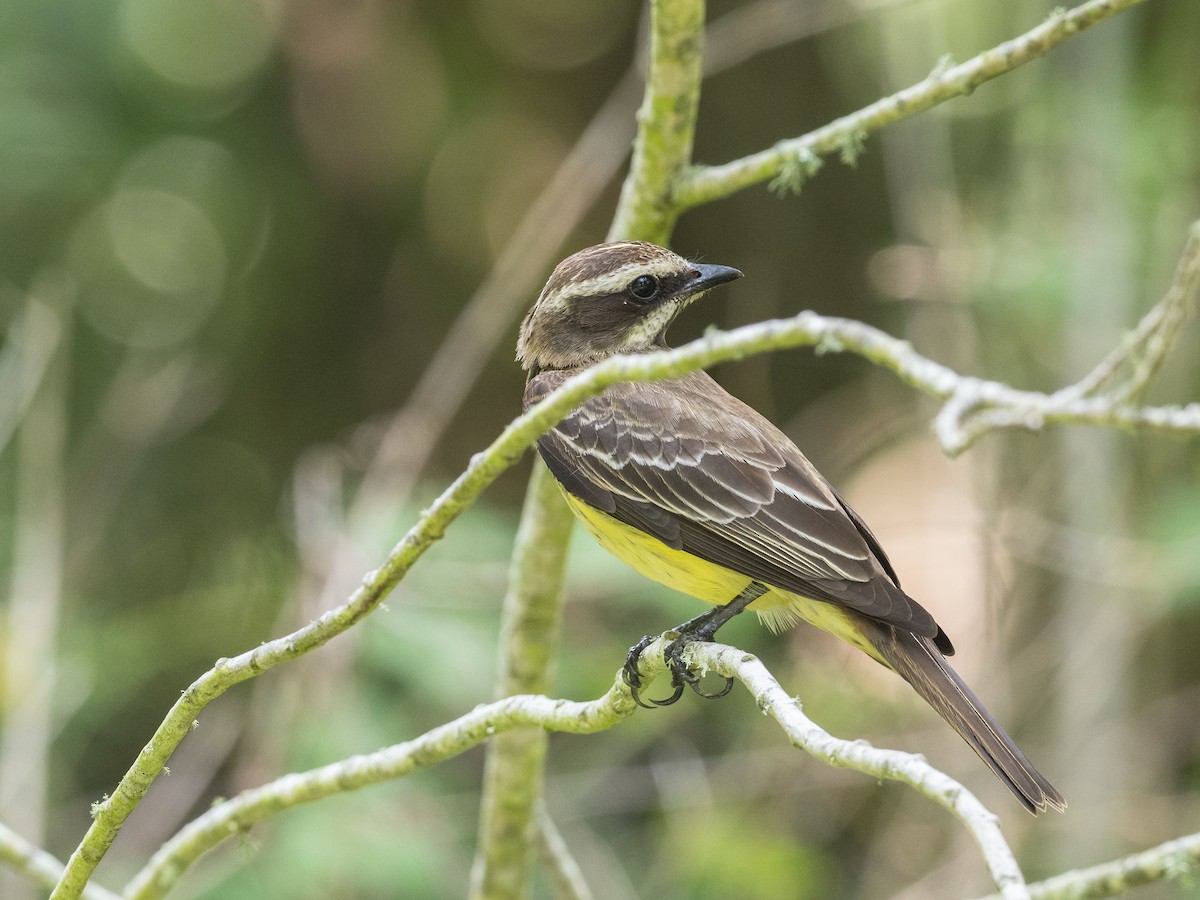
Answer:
(696, 490)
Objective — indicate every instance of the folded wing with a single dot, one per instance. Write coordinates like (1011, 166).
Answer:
(701, 471)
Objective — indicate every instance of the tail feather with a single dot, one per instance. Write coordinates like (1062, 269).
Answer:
(918, 662)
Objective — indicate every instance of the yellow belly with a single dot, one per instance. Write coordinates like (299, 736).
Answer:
(676, 569)
(707, 581)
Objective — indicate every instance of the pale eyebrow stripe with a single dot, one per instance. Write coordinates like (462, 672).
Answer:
(616, 280)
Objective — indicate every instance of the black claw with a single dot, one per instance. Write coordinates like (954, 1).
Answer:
(632, 676)
(631, 673)
(667, 701)
(681, 675)
(714, 695)
(701, 628)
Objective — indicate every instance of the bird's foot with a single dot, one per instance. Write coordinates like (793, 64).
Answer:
(702, 628)
(632, 676)
(681, 675)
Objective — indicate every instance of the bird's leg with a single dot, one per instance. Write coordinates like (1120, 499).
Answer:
(701, 628)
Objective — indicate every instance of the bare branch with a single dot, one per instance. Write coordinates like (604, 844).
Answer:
(557, 858)
(661, 148)
(1143, 350)
(894, 765)
(795, 159)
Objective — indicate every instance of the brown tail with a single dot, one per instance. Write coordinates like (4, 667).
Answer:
(919, 662)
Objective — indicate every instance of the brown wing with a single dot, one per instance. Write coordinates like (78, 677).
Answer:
(698, 469)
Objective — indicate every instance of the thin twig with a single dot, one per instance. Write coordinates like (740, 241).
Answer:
(793, 160)
(234, 816)
(1144, 349)
(859, 755)
(557, 859)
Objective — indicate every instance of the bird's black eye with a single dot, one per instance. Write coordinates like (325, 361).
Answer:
(644, 288)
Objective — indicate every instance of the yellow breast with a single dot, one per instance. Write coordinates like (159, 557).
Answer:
(681, 571)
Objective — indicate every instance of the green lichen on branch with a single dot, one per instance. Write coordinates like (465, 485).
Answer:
(529, 642)
(703, 184)
(522, 712)
(662, 148)
(666, 122)
(1174, 860)
(796, 169)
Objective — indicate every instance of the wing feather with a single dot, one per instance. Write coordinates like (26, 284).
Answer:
(701, 471)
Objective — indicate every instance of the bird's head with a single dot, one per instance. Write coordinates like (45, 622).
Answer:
(608, 299)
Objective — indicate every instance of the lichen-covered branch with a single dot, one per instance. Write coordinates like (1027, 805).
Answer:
(662, 147)
(42, 869)
(529, 640)
(1175, 859)
(791, 161)
(666, 122)
(893, 765)
(234, 816)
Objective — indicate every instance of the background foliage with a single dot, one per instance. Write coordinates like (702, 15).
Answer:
(255, 222)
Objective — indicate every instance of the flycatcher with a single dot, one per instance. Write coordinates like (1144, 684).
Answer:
(699, 492)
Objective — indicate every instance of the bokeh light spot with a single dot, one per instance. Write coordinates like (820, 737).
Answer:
(214, 45)
(538, 34)
(164, 241)
(151, 266)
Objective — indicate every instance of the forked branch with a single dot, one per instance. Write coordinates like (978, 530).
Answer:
(234, 816)
(790, 162)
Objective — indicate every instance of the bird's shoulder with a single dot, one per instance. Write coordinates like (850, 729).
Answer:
(678, 421)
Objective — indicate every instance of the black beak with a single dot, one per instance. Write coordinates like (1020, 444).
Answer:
(709, 277)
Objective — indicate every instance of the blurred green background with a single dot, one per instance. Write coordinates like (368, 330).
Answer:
(235, 234)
